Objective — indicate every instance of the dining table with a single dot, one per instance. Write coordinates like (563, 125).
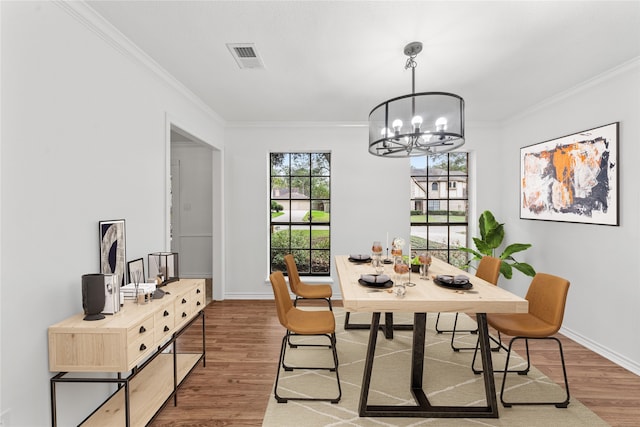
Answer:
(425, 297)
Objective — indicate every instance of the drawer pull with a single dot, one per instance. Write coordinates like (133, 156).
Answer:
(166, 328)
(198, 303)
(142, 330)
(198, 291)
(184, 301)
(143, 347)
(184, 314)
(166, 313)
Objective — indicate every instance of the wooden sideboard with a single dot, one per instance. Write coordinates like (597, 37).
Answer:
(140, 341)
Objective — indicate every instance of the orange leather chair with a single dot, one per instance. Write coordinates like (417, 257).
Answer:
(547, 296)
(302, 322)
(303, 290)
(489, 270)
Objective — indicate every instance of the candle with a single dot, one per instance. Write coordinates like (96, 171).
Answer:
(387, 240)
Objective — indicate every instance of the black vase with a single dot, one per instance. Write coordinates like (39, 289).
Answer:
(93, 296)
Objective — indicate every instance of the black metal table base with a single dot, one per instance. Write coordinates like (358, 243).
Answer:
(387, 328)
(423, 407)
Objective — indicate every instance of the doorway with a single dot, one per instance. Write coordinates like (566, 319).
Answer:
(191, 207)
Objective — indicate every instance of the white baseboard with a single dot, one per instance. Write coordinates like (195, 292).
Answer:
(616, 358)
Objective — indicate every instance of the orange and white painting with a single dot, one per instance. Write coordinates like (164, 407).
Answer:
(573, 178)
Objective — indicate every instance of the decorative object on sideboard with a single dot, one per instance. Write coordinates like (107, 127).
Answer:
(93, 296)
(113, 249)
(417, 124)
(164, 267)
(111, 294)
(573, 178)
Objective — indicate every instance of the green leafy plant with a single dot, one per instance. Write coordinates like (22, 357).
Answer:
(491, 237)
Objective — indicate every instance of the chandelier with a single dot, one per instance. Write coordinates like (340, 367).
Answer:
(417, 124)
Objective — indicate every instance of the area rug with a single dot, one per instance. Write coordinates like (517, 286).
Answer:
(448, 381)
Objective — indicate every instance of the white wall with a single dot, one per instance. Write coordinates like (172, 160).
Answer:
(84, 139)
(602, 262)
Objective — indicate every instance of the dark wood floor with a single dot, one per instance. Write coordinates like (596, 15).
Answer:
(243, 341)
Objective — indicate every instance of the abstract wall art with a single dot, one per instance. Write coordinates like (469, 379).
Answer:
(572, 179)
(113, 249)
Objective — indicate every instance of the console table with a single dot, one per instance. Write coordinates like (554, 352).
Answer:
(139, 345)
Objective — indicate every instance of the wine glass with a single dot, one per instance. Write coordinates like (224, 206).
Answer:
(377, 263)
(376, 248)
(425, 262)
(400, 267)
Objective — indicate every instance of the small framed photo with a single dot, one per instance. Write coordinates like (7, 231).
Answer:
(136, 267)
(573, 178)
(113, 249)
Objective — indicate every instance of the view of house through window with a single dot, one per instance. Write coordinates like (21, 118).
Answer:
(440, 205)
(300, 196)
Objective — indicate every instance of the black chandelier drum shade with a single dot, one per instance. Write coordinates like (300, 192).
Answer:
(417, 124)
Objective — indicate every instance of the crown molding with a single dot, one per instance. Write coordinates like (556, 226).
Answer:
(592, 82)
(97, 24)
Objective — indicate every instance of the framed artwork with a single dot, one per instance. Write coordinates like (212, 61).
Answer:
(136, 267)
(573, 178)
(113, 249)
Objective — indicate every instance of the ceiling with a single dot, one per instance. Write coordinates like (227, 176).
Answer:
(333, 61)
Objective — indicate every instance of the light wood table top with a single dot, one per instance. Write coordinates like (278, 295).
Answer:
(426, 296)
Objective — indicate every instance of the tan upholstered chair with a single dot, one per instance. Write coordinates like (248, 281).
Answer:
(547, 296)
(302, 322)
(489, 270)
(303, 290)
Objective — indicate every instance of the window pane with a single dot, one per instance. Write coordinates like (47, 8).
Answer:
(438, 211)
(320, 164)
(277, 260)
(458, 211)
(300, 236)
(320, 261)
(280, 210)
(320, 188)
(279, 164)
(280, 236)
(457, 236)
(458, 162)
(300, 187)
(320, 211)
(302, 259)
(300, 164)
(320, 237)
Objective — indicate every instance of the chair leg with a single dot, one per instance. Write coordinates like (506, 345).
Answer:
(283, 365)
(497, 348)
(562, 404)
(453, 335)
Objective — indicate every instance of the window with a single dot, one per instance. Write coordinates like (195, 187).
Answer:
(300, 196)
(442, 228)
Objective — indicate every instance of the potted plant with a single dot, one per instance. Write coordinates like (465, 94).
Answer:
(491, 237)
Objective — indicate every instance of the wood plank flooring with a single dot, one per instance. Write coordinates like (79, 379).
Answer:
(243, 342)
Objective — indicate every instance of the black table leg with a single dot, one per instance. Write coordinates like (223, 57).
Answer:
(423, 407)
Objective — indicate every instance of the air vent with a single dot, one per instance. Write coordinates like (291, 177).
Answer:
(245, 55)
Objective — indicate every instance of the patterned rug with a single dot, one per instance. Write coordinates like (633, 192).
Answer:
(448, 380)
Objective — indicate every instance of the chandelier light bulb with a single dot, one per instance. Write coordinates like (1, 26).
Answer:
(397, 125)
(416, 122)
(441, 124)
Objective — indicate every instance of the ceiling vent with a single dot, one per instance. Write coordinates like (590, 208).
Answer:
(246, 55)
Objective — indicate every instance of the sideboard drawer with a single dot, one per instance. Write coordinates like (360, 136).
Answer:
(141, 340)
(164, 323)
